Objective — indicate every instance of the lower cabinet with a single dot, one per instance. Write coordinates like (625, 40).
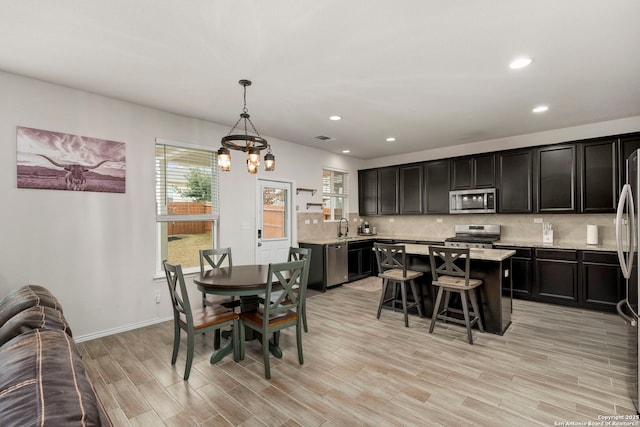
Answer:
(521, 271)
(586, 279)
(360, 260)
(602, 282)
(556, 275)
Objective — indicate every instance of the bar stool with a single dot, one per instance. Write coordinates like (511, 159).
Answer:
(450, 277)
(392, 267)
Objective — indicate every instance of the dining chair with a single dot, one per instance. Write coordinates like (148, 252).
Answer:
(192, 321)
(215, 258)
(392, 268)
(298, 254)
(450, 268)
(278, 313)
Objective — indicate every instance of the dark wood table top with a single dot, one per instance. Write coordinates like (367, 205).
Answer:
(240, 280)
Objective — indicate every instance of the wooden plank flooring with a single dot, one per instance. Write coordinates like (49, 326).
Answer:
(554, 364)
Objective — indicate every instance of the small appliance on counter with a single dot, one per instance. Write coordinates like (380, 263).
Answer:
(366, 228)
(592, 234)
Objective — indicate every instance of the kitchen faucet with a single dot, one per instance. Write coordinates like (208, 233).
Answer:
(340, 227)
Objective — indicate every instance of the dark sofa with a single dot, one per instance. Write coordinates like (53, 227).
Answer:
(42, 378)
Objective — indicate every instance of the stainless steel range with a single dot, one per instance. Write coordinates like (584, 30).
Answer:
(474, 236)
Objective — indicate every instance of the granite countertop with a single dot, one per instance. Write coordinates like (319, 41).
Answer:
(474, 253)
(526, 244)
(560, 245)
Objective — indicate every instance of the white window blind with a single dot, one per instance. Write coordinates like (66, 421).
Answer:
(186, 175)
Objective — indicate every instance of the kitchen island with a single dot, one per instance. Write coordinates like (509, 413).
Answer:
(493, 267)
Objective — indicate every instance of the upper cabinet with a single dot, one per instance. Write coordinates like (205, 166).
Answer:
(411, 189)
(368, 192)
(436, 176)
(515, 182)
(598, 176)
(579, 176)
(473, 172)
(555, 173)
(628, 144)
(388, 186)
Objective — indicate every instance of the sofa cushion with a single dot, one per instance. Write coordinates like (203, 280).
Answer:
(38, 317)
(25, 297)
(43, 383)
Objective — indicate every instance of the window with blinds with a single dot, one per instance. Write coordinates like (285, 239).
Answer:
(187, 203)
(334, 194)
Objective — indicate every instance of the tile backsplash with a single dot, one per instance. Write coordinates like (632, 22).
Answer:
(567, 228)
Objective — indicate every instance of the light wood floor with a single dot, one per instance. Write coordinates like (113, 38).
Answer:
(554, 364)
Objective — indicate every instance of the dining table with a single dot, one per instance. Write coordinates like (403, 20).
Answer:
(244, 281)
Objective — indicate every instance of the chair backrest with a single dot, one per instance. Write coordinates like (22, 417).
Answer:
(209, 255)
(446, 261)
(301, 254)
(390, 257)
(178, 291)
(286, 296)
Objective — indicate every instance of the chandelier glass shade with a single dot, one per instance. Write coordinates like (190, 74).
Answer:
(251, 144)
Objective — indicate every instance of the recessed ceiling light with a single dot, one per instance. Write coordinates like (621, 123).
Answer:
(520, 62)
(346, 151)
(391, 139)
(540, 109)
(335, 118)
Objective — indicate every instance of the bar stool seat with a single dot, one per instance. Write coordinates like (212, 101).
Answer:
(449, 277)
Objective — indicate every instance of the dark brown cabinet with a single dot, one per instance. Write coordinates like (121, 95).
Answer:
(368, 192)
(515, 182)
(436, 186)
(580, 176)
(521, 271)
(627, 144)
(598, 176)
(473, 172)
(411, 189)
(388, 186)
(556, 276)
(602, 280)
(556, 178)
(360, 260)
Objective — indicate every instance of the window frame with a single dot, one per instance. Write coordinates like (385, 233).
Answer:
(333, 196)
(161, 219)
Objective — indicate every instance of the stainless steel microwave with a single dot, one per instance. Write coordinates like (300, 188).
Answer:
(482, 200)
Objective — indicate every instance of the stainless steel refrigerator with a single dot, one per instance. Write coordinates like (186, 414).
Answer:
(627, 237)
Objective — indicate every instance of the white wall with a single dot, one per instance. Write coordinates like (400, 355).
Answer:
(96, 251)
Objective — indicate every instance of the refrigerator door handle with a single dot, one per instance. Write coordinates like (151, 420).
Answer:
(626, 199)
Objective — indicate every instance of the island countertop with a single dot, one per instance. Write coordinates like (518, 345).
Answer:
(474, 253)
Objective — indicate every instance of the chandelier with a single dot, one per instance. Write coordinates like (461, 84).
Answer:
(251, 144)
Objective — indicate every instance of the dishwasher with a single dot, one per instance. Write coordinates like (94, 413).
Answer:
(336, 265)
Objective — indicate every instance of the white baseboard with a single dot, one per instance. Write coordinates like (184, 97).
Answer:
(120, 329)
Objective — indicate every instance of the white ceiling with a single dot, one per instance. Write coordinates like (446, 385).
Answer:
(432, 73)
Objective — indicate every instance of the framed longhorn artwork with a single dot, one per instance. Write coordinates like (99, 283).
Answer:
(60, 161)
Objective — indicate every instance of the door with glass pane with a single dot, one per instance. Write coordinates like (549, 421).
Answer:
(273, 221)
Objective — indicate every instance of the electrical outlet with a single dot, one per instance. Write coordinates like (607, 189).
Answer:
(315, 221)
(438, 219)
(157, 297)
(537, 220)
(392, 220)
(307, 221)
